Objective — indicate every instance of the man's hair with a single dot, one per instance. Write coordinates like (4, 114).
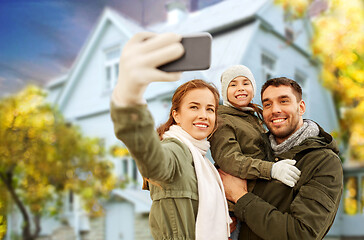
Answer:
(276, 82)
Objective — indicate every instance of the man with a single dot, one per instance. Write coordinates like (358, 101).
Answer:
(273, 210)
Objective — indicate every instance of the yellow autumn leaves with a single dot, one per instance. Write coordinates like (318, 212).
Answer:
(42, 156)
(338, 42)
(2, 218)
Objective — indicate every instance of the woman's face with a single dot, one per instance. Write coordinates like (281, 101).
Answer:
(197, 113)
(240, 92)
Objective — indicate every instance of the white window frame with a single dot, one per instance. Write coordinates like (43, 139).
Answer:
(302, 79)
(268, 70)
(128, 169)
(111, 66)
(70, 201)
(289, 32)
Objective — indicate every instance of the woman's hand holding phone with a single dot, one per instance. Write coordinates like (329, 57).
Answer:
(139, 60)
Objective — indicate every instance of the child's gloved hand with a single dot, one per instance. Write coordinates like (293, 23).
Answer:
(139, 60)
(286, 172)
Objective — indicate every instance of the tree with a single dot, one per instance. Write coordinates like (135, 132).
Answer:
(338, 42)
(2, 215)
(42, 157)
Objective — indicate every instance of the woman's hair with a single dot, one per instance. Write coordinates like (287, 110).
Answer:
(178, 96)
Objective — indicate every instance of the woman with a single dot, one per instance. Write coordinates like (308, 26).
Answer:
(187, 192)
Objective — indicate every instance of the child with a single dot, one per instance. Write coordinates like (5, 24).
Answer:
(239, 146)
(186, 189)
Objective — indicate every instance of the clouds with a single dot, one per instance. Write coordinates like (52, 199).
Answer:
(40, 39)
(15, 75)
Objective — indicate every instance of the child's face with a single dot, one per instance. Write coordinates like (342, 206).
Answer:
(240, 92)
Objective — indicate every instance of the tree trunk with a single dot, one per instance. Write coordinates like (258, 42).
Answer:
(36, 220)
(26, 231)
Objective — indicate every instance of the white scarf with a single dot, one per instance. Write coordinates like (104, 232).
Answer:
(213, 221)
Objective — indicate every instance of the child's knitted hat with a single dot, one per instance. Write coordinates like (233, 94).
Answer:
(232, 72)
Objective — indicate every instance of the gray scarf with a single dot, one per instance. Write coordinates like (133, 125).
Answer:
(308, 129)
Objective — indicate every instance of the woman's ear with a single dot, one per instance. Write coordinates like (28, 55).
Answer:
(175, 116)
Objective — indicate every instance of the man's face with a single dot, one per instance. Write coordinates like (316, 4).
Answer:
(281, 112)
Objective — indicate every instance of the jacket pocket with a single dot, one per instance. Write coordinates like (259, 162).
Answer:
(314, 193)
(314, 209)
(172, 193)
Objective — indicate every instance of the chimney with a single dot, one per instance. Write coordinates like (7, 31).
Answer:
(194, 5)
(176, 11)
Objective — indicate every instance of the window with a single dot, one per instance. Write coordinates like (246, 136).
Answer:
(289, 34)
(111, 67)
(129, 169)
(268, 66)
(288, 28)
(135, 171)
(362, 195)
(69, 201)
(351, 195)
(301, 79)
(125, 167)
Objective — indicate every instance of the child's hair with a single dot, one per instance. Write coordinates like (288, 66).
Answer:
(230, 74)
(178, 96)
(258, 109)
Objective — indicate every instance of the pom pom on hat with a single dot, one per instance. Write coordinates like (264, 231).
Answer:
(232, 72)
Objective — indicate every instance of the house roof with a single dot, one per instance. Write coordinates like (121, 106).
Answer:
(214, 18)
(140, 199)
(229, 49)
(60, 80)
(239, 12)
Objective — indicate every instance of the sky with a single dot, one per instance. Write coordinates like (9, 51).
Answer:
(40, 39)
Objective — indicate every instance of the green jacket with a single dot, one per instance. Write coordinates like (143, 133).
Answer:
(169, 164)
(239, 145)
(306, 211)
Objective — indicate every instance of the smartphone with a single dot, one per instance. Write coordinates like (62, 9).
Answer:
(197, 54)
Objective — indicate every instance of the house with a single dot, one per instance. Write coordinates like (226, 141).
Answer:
(253, 33)
(351, 214)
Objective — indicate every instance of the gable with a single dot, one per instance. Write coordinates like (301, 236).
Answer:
(84, 90)
(54, 88)
(89, 91)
